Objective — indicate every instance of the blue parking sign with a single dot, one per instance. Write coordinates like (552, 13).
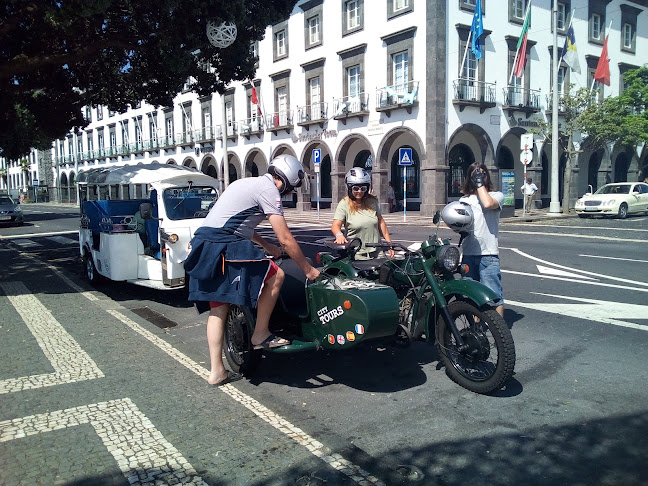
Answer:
(405, 156)
(317, 156)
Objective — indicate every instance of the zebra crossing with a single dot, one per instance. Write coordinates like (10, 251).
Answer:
(41, 241)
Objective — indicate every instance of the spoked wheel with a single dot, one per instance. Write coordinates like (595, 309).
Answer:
(239, 352)
(489, 359)
(90, 270)
(623, 211)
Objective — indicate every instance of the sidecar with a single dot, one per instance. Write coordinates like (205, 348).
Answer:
(333, 312)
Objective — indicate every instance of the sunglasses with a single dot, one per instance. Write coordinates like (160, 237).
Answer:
(359, 188)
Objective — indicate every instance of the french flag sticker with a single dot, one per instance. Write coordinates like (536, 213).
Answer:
(359, 329)
(340, 339)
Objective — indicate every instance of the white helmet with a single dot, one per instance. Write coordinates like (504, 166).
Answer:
(357, 177)
(288, 170)
(458, 216)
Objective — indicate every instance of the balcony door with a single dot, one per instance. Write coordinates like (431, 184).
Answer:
(316, 111)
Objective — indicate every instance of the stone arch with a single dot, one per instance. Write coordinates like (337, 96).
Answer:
(281, 149)
(209, 166)
(234, 166)
(171, 162)
(190, 162)
(256, 163)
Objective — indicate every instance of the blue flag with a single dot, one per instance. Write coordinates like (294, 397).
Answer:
(569, 52)
(477, 29)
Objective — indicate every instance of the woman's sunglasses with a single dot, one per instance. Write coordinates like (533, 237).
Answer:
(359, 188)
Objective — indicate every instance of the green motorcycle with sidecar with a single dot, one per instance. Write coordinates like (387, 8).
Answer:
(418, 295)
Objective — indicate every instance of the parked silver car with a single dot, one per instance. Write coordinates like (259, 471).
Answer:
(10, 211)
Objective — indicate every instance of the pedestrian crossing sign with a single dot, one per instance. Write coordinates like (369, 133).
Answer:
(404, 156)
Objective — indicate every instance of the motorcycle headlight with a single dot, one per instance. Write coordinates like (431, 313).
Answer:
(448, 258)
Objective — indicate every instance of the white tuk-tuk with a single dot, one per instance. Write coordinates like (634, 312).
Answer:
(137, 221)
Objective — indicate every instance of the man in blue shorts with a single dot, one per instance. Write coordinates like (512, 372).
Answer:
(228, 263)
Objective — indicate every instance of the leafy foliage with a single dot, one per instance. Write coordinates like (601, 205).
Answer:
(56, 57)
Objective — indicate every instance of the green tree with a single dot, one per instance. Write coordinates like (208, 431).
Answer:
(571, 107)
(57, 57)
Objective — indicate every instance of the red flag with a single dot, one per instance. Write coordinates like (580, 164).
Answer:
(521, 60)
(602, 74)
(255, 99)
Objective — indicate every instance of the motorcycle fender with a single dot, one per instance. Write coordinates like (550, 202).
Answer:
(472, 290)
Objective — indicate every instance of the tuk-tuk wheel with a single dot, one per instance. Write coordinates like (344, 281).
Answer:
(239, 351)
(90, 270)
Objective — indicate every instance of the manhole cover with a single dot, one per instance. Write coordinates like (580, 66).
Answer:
(154, 317)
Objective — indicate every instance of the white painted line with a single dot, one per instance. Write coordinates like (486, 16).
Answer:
(70, 362)
(592, 310)
(614, 258)
(583, 272)
(570, 235)
(315, 447)
(140, 450)
(31, 235)
(578, 280)
(63, 240)
(634, 230)
(561, 273)
(27, 243)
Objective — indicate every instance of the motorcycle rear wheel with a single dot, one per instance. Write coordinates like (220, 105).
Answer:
(489, 360)
(238, 348)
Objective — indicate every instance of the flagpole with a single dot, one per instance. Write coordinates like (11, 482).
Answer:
(465, 54)
(517, 52)
(554, 204)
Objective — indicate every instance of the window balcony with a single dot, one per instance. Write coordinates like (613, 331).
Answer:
(204, 134)
(123, 150)
(470, 92)
(150, 145)
(280, 120)
(167, 142)
(398, 96)
(99, 153)
(561, 104)
(351, 106)
(232, 131)
(251, 126)
(517, 98)
(184, 138)
(111, 151)
(317, 113)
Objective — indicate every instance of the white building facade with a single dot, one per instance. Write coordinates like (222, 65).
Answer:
(359, 80)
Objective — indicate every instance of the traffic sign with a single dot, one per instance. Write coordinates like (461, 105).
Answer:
(526, 157)
(526, 141)
(405, 156)
(317, 156)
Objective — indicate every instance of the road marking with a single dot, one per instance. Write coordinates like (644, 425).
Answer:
(634, 230)
(141, 451)
(561, 273)
(571, 235)
(63, 240)
(70, 362)
(26, 243)
(31, 235)
(614, 258)
(578, 280)
(591, 309)
(598, 275)
(315, 447)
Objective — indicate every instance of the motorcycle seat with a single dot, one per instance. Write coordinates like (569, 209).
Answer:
(368, 265)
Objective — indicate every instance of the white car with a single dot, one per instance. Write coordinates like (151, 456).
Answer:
(619, 199)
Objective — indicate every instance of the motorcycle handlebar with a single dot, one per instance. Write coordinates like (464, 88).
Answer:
(385, 245)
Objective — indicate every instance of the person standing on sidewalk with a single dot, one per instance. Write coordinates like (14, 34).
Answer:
(228, 263)
(480, 247)
(528, 189)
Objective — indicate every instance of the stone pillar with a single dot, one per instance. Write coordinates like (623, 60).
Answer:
(380, 186)
(434, 167)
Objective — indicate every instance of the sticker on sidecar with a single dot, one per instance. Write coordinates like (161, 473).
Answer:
(331, 338)
(340, 339)
(350, 336)
(327, 315)
(359, 329)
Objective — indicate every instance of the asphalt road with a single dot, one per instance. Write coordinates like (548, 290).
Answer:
(575, 412)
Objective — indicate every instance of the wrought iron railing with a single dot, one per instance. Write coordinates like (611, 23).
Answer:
(397, 94)
(473, 90)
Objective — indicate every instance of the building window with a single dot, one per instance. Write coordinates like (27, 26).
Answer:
(280, 44)
(629, 27)
(561, 22)
(314, 30)
(595, 27)
(353, 16)
(314, 96)
(399, 7)
(169, 129)
(113, 140)
(353, 81)
(627, 36)
(518, 9)
(401, 72)
(99, 112)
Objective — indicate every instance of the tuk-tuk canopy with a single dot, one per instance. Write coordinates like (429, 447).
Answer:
(140, 174)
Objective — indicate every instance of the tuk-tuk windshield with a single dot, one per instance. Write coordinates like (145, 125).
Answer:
(188, 202)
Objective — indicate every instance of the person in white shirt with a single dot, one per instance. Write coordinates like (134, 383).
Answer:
(480, 247)
(528, 189)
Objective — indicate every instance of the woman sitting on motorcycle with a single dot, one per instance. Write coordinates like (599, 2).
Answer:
(360, 214)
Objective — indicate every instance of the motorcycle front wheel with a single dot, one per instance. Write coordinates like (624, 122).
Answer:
(239, 352)
(488, 359)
